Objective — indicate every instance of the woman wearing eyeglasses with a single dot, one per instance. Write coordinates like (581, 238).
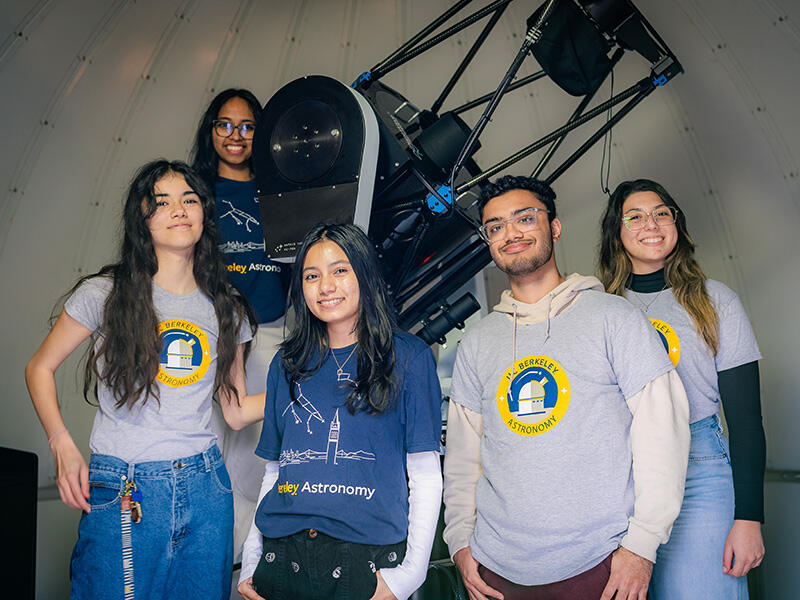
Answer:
(222, 155)
(647, 256)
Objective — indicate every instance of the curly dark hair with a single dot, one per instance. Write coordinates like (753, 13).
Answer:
(306, 346)
(130, 344)
(507, 183)
(203, 157)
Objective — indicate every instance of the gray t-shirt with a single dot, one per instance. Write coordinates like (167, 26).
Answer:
(176, 425)
(556, 487)
(695, 363)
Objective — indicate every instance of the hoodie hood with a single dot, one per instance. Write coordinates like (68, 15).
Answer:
(550, 305)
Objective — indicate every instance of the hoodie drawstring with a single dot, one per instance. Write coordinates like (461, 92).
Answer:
(513, 347)
(547, 317)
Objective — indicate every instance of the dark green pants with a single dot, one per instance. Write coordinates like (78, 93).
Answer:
(310, 565)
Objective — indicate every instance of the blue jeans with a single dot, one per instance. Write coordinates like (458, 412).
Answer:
(689, 565)
(183, 546)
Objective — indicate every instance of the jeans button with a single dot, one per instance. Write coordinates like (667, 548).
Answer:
(312, 533)
(179, 465)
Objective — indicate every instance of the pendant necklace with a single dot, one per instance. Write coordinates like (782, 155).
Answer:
(340, 374)
(649, 304)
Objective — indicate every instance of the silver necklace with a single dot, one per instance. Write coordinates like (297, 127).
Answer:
(340, 374)
(648, 305)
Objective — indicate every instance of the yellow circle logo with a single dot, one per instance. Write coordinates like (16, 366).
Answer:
(535, 400)
(185, 355)
(670, 340)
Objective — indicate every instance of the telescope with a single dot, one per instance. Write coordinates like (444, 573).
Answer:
(365, 154)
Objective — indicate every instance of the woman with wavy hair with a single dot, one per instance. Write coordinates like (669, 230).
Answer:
(222, 155)
(168, 332)
(647, 256)
(353, 407)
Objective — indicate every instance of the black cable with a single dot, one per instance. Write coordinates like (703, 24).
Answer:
(607, 147)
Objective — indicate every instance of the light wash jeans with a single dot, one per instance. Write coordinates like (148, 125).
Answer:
(183, 546)
(689, 565)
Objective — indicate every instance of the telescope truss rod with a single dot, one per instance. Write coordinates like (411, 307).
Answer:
(531, 37)
(426, 31)
(618, 54)
(644, 87)
(486, 97)
(468, 58)
(410, 254)
(419, 234)
(449, 32)
(397, 208)
(597, 135)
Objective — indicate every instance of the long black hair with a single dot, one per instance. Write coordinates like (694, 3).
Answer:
(130, 344)
(306, 346)
(681, 271)
(203, 157)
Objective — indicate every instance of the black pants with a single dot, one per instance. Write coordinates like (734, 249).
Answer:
(310, 565)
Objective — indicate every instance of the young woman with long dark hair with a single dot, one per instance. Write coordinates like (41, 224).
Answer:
(647, 256)
(354, 407)
(168, 332)
(222, 155)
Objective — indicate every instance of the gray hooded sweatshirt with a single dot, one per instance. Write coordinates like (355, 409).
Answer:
(567, 436)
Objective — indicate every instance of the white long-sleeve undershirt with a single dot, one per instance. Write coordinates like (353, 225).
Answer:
(424, 501)
(253, 543)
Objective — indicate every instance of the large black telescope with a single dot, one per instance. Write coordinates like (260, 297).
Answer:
(365, 154)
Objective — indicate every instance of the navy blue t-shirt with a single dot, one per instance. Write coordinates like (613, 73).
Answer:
(262, 281)
(344, 474)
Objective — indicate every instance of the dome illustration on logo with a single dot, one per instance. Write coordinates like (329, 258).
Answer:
(179, 355)
(185, 354)
(533, 396)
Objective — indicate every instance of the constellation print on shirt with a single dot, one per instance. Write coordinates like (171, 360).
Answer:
(306, 404)
(239, 216)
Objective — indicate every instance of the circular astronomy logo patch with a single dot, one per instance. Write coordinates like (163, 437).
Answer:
(670, 340)
(535, 400)
(184, 353)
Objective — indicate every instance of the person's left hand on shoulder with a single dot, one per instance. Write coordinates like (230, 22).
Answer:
(382, 592)
(630, 576)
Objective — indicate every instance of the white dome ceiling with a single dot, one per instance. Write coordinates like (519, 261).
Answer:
(94, 88)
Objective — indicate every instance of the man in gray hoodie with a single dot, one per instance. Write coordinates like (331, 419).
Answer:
(568, 429)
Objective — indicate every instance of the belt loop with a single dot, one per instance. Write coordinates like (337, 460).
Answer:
(131, 469)
(207, 459)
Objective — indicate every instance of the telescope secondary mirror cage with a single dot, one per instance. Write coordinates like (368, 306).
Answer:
(423, 219)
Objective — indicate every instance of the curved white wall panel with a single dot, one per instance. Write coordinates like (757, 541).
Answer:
(92, 89)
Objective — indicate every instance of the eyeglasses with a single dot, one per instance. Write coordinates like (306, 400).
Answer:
(636, 218)
(523, 221)
(226, 129)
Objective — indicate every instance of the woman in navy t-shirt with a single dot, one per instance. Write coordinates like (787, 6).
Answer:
(354, 407)
(222, 155)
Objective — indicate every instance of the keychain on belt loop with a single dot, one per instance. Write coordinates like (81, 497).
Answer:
(130, 511)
